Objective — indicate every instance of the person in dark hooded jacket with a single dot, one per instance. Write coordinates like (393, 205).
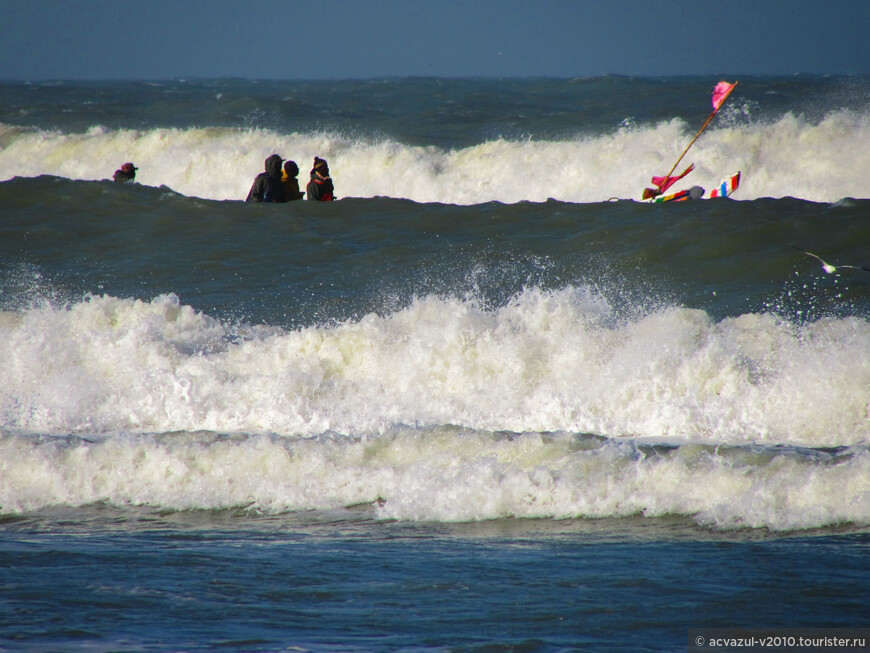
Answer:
(267, 185)
(320, 188)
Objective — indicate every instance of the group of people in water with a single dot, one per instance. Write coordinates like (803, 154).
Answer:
(275, 184)
(280, 185)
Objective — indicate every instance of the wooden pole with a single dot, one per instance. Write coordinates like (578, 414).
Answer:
(700, 131)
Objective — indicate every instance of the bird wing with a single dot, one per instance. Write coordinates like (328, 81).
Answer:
(815, 256)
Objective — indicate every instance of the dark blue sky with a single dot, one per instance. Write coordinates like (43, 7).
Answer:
(160, 39)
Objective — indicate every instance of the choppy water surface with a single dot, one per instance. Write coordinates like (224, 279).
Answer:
(472, 392)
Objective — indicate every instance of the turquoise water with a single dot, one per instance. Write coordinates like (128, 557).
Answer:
(486, 401)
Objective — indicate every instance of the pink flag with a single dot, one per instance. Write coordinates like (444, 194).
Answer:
(663, 183)
(720, 94)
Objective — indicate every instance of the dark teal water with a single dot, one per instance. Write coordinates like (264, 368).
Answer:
(300, 264)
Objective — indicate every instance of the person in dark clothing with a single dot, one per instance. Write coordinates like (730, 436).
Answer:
(126, 173)
(267, 185)
(290, 183)
(320, 187)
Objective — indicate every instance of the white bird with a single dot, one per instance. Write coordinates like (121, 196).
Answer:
(827, 267)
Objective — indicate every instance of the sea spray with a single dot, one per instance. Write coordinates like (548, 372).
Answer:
(545, 361)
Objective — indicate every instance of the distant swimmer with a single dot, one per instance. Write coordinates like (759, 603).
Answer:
(267, 185)
(126, 173)
(827, 267)
(290, 182)
(320, 188)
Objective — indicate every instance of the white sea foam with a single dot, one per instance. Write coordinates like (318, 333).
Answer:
(546, 361)
(823, 161)
(442, 474)
(440, 411)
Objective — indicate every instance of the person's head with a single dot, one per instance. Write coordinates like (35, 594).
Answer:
(129, 169)
(291, 168)
(320, 167)
(273, 165)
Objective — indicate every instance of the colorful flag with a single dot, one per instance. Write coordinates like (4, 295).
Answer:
(720, 94)
(663, 183)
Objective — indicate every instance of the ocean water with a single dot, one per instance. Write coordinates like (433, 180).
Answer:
(487, 401)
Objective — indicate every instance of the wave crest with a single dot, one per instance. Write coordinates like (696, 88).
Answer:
(546, 361)
(787, 157)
